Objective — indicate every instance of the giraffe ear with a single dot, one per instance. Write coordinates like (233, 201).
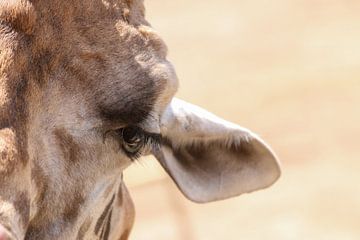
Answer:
(211, 159)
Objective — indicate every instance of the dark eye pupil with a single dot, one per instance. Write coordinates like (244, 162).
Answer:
(131, 135)
(133, 139)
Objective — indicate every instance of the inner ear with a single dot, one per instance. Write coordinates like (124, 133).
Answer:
(216, 170)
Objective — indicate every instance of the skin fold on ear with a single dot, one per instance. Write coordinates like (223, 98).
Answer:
(211, 159)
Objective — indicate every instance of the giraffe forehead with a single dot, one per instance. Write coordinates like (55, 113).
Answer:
(132, 101)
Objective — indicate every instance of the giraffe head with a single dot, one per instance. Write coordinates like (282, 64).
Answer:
(85, 89)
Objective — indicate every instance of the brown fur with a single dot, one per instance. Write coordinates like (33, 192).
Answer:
(72, 209)
(125, 235)
(69, 148)
(105, 213)
(41, 182)
(70, 71)
(8, 152)
(22, 205)
(120, 197)
(106, 228)
(83, 229)
(20, 15)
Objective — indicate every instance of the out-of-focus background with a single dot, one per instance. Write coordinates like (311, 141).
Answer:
(288, 70)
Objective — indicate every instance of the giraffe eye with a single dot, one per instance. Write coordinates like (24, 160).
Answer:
(133, 140)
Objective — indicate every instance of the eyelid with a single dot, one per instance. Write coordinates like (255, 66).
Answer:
(150, 125)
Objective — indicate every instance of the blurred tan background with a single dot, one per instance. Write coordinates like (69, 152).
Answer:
(288, 70)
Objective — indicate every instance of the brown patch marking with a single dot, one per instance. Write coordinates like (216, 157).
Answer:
(69, 148)
(120, 197)
(105, 232)
(43, 61)
(41, 182)
(71, 211)
(8, 152)
(102, 217)
(83, 229)
(108, 190)
(36, 226)
(13, 81)
(125, 235)
(22, 206)
(19, 14)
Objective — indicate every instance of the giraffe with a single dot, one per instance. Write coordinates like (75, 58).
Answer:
(85, 90)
